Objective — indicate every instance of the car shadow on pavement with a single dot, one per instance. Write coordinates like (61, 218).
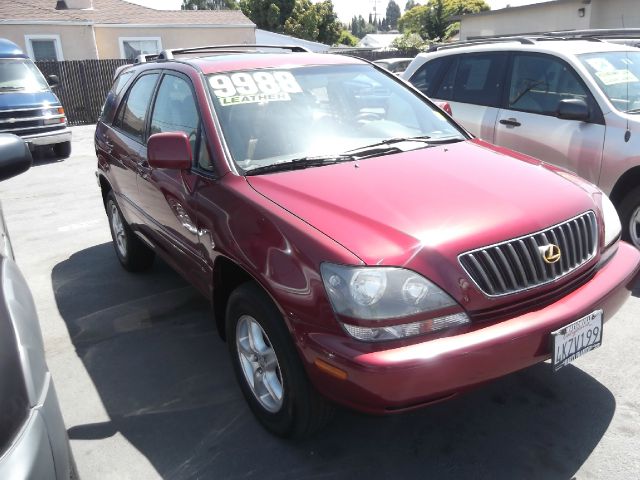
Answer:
(164, 377)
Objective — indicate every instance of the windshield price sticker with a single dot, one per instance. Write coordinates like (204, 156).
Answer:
(614, 77)
(576, 339)
(257, 87)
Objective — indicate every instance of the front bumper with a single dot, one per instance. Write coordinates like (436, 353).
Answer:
(411, 376)
(41, 448)
(48, 138)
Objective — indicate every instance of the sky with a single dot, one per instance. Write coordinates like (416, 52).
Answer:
(346, 9)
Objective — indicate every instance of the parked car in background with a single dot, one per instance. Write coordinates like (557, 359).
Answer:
(28, 107)
(394, 65)
(357, 245)
(574, 103)
(33, 438)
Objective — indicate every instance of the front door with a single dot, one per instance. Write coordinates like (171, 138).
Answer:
(166, 195)
(529, 123)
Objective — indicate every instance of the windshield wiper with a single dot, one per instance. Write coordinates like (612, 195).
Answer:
(633, 110)
(301, 163)
(385, 147)
(10, 89)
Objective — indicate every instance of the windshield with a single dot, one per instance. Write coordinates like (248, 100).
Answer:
(279, 115)
(21, 76)
(618, 76)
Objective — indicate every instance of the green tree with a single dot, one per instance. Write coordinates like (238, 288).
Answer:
(433, 20)
(268, 15)
(346, 38)
(393, 14)
(409, 5)
(209, 4)
(314, 21)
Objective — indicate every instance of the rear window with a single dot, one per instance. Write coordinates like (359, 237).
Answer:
(426, 77)
(132, 114)
(479, 79)
(110, 103)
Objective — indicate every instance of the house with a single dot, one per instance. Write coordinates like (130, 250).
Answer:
(263, 37)
(99, 29)
(378, 41)
(551, 16)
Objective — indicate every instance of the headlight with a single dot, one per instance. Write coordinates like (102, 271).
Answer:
(611, 221)
(383, 293)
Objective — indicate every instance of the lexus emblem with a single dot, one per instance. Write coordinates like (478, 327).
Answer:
(550, 253)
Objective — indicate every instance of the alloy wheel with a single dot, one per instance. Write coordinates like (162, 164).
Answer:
(119, 235)
(259, 363)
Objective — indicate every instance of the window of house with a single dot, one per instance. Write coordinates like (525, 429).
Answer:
(132, 115)
(131, 47)
(44, 47)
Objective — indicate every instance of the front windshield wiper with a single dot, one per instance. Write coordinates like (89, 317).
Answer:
(10, 89)
(301, 163)
(374, 149)
(633, 111)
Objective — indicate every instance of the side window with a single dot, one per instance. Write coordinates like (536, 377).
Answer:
(445, 90)
(110, 102)
(539, 82)
(479, 79)
(132, 115)
(426, 77)
(175, 109)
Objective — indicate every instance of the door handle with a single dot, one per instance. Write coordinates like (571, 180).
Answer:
(510, 122)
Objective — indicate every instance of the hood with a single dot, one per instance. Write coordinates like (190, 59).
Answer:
(443, 199)
(13, 100)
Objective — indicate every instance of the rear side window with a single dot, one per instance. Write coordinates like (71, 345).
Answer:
(131, 117)
(426, 77)
(479, 78)
(110, 103)
(539, 82)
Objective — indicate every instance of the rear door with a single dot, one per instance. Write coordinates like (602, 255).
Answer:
(472, 83)
(166, 195)
(125, 143)
(528, 123)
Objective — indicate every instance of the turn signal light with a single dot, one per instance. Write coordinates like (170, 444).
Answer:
(330, 369)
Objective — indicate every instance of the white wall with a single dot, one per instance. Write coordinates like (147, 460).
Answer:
(540, 17)
(615, 14)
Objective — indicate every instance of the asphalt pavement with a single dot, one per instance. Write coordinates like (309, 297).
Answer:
(147, 391)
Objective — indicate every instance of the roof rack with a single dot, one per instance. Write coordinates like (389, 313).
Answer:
(170, 53)
(600, 33)
(145, 58)
(482, 41)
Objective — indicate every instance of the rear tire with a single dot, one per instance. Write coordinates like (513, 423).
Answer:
(629, 210)
(62, 150)
(299, 411)
(132, 253)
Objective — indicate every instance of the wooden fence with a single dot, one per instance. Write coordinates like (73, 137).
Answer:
(83, 86)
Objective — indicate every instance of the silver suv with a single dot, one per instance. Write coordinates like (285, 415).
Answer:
(573, 103)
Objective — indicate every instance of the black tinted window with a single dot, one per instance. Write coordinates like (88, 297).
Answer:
(132, 115)
(110, 102)
(175, 109)
(426, 77)
(539, 82)
(479, 79)
(445, 89)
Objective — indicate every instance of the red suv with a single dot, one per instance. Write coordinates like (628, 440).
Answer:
(357, 245)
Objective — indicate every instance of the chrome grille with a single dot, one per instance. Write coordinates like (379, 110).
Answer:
(517, 265)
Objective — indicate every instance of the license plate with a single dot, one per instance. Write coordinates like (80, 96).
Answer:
(576, 339)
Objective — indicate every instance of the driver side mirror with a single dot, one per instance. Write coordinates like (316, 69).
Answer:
(573, 109)
(169, 150)
(53, 81)
(15, 157)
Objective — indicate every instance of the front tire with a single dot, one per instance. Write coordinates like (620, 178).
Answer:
(134, 255)
(268, 368)
(62, 150)
(629, 210)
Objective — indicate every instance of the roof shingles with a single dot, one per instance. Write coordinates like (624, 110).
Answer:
(116, 12)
